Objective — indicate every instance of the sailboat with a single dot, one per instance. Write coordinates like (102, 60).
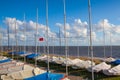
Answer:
(34, 55)
(103, 65)
(48, 75)
(19, 70)
(110, 59)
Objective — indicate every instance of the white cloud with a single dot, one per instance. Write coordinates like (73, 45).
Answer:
(77, 28)
(20, 26)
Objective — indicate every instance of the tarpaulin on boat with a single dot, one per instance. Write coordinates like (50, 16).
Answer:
(114, 71)
(5, 60)
(22, 52)
(46, 76)
(17, 53)
(100, 67)
(116, 62)
(33, 55)
(12, 52)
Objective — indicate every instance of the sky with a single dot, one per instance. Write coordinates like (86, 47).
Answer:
(105, 21)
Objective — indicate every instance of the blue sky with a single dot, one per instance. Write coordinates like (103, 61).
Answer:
(75, 9)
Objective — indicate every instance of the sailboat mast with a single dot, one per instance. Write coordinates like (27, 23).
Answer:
(24, 39)
(16, 37)
(36, 36)
(53, 45)
(90, 27)
(104, 38)
(65, 35)
(110, 44)
(8, 36)
(1, 47)
(60, 40)
(88, 41)
(78, 51)
(47, 35)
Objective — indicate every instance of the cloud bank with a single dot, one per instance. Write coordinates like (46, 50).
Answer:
(77, 29)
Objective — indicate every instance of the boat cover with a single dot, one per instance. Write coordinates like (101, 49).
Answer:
(22, 52)
(116, 62)
(14, 52)
(100, 67)
(115, 71)
(46, 76)
(5, 60)
(33, 55)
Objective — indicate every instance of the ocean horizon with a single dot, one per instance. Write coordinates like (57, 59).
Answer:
(98, 51)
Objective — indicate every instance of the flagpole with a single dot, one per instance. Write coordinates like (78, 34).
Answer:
(90, 27)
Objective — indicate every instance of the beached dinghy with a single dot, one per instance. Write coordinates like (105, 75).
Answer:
(10, 64)
(21, 75)
(83, 64)
(72, 62)
(2, 58)
(60, 60)
(32, 56)
(28, 53)
(76, 61)
(115, 71)
(100, 67)
(67, 62)
(110, 59)
(116, 62)
(16, 68)
(43, 58)
(54, 59)
(48, 76)
(5, 60)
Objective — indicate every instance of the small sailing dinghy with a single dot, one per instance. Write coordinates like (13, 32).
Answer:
(100, 67)
(115, 71)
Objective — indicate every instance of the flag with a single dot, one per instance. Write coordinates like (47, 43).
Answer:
(41, 39)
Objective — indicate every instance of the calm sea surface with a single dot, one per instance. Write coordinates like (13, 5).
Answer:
(74, 50)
